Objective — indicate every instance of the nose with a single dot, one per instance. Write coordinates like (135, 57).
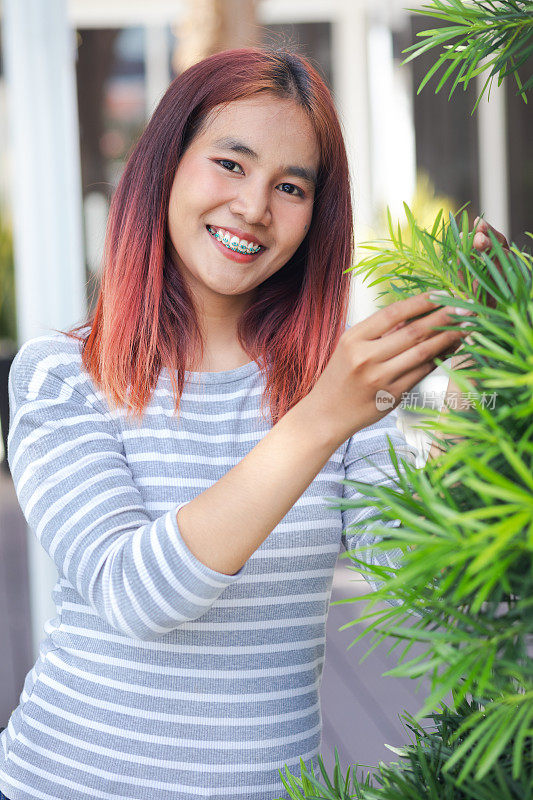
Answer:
(252, 203)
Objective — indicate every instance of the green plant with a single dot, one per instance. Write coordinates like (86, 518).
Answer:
(425, 205)
(8, 322)
(467, 518)
(464, 590)
(480, 36)
(309, 783)
(465, 585)
(419, 775)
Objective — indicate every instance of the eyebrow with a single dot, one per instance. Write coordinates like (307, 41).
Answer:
(236, 146)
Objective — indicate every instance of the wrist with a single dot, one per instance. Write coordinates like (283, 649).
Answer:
(310, 414)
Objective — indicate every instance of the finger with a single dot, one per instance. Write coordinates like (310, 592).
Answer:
(410, 379)
(482, 228)
(415, 333)
(396, 328)
(439, 346)
(384, 320)
(481, 241)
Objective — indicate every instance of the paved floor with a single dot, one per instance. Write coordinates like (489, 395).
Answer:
(360, 708)
(15, 633)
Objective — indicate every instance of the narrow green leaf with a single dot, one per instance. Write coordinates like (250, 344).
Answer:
(518, 748)
(506, 730)
(429, 74)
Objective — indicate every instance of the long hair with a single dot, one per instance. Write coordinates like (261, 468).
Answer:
(144, 318)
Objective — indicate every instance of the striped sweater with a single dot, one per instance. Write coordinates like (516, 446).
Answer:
(159, 677)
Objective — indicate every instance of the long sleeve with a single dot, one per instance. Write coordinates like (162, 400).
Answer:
(372, 443)
(78, 496)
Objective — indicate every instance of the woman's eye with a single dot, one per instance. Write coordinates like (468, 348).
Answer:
(299, 192)
(287, 188)
(225, 162)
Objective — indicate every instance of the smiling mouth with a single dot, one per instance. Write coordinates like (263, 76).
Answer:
(233, 243)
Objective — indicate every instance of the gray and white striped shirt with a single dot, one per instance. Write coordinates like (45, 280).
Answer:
(159, 677)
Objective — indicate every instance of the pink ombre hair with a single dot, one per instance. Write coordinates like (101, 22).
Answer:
(144, 319)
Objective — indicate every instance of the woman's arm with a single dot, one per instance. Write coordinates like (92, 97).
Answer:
(225, 524)
(79, 497)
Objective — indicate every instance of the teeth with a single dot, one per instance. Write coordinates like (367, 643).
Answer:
(233, 242)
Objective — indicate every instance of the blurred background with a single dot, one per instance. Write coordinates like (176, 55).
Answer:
(79, 80)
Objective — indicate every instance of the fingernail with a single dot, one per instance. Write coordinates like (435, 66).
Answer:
(435, 297)
(463, 311)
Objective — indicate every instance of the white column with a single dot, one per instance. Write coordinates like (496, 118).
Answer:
(350, 82)
(156, 64)
(46, 200)
(392, 126)
(493, 166)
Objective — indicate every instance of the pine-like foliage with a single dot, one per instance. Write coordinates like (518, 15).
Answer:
(419, 774)
(465, 585)
(479, 36)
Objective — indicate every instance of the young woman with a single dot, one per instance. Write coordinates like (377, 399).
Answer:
(174, 454)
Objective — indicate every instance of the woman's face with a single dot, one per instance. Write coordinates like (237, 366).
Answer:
(248, 173)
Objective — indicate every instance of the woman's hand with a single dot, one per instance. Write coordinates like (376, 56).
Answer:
(378, 359)
(387, 354)
(481, 243)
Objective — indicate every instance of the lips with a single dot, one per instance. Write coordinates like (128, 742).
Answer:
(241, 234)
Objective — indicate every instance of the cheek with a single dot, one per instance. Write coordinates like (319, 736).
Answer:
(183, 210)
(296, 228)
(198, 193)
(216, 189)
(175, 215)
